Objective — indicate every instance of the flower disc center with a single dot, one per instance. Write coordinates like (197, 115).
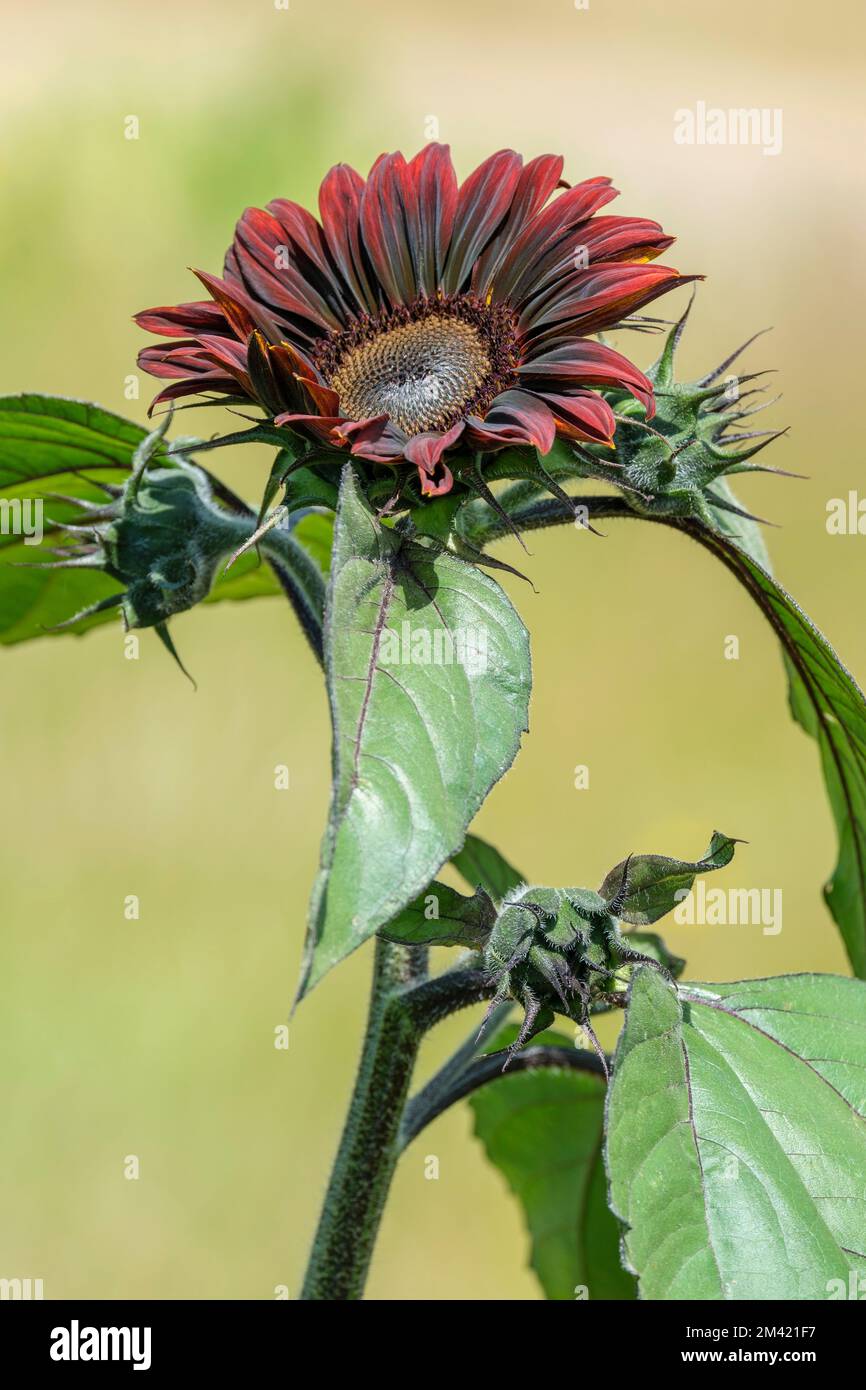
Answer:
(421, 374)
(425, 365)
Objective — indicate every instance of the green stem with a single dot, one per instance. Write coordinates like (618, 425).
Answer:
(368, 1151)
(548, 511)
(301, 581)
(437, 1097)
(403, 1005)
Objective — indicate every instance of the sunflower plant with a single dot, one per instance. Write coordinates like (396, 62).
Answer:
(426, 364)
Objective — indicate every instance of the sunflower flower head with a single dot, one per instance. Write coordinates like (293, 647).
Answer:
(420, 321)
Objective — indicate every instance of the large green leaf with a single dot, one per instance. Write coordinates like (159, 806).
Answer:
(48, 445)
(736, 1137)
(419, 736)
(543, 1130)
(827, 702)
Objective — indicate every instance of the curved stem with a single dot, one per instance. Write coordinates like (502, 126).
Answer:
(436, 1098)
(550, 511)
(301, 581)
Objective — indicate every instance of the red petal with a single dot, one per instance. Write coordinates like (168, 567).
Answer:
(340, 211)
(231, 356)
(180, 320)
(584, 363)
(520, 268)
(438, 482)
(376, 439)
(535, 185)
(305, 234)
(624, 238)
(267, 261)
(193, 386)
(587, 292)
(515, 417)
(483, 201)
(267, 384)
(384, 219)
(173, 360)
(241, 310)
(425, 450)
(599, 239)
(433, 208)
(321, 427)
(581, 415)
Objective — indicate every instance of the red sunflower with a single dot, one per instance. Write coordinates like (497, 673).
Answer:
(421, 316)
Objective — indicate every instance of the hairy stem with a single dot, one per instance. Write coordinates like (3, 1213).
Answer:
(548, 511)
(404, 1004)
(301, 581)
(368, 1151)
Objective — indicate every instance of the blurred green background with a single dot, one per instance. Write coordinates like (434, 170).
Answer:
(155, 1037)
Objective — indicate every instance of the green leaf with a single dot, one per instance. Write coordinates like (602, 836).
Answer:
(655, 884)
(249, 577)
(736, 1137)
(316, 534)
(456, 920)
(49, 444)
(543, 1130)
(43, 438)
(827, 702)
(419, 736)
(311, 487)
(482, 866)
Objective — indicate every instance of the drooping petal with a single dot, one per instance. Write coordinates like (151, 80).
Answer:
(192, 365)
(581, 415)
(376, 439)
(437, 481)
(482, 202)
(318, 427)
(425, 450)
(515, 417)
(585, 363)
(194, 386)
